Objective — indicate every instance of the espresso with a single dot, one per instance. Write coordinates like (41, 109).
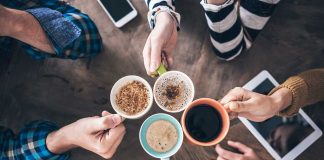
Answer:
(203, 123)
(161, 136)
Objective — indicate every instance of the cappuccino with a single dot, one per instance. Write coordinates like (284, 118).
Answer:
(161, 136)
(173, 91)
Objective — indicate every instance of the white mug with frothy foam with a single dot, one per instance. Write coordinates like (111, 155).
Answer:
(184, 89)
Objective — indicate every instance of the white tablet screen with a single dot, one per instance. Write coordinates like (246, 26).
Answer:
(283, 134)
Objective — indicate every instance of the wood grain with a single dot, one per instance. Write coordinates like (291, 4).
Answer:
(64, 90)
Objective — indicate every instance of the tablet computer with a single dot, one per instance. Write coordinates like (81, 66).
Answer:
(283, 137)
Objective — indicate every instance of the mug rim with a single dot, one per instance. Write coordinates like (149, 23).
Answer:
(223, 113)
(190, 84)
(122, 81)
(177, 126)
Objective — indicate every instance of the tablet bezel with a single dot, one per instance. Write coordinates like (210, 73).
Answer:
(302, 146)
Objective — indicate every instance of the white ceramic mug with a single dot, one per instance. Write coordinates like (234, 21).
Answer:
(122, 82)
(180, 76)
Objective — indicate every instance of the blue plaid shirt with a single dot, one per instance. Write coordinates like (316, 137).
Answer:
(72, 33)
(29, 144)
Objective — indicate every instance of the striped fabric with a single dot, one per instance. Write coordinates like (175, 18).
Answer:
(86, 44)
(232, 30)
(29, 144)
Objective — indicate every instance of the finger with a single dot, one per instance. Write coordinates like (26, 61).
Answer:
(114, 134)
(227, 154)
(169, 58)
(147, 54)
(232, 115)
(155, 56)
(235, 94)
(220, 158)
(241, 147)
(106, 122)
(252, 117)
(238, 106)
(164, 59)
(105, 113)
(114, 147)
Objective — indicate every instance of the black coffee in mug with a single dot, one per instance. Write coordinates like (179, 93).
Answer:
(203, 123)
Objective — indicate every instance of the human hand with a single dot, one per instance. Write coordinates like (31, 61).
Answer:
(101, 135)
(246, 152)
(216, 2)
(4, 21)
(163, 38)
(254, 106)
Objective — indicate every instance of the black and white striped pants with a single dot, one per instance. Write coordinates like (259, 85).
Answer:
(233, 26)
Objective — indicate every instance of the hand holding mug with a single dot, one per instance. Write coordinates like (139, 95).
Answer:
(163, 38)
(101, 135)
(254, 106)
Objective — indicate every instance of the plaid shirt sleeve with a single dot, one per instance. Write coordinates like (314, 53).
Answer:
(72, 33)
(29, 144)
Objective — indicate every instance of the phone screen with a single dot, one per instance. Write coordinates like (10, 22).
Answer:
(283, 134)
(117, 8)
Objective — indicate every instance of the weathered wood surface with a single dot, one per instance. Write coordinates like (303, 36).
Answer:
(64, 90)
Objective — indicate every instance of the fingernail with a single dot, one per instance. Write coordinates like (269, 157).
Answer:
(229, 141)
(153, 67)
(116, 119)
(233, 106)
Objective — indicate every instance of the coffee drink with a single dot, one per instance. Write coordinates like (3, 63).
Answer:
(161, 136)
(132, 98)
(173, 92)
(203, 123)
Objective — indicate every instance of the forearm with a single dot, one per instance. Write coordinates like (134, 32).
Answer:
(314, 80)
(151, 4)
(23, 26)
(30, 143)
(282, 98)
(216, 2)
(306, 88)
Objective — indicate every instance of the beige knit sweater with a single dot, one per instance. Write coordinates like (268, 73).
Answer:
(307, 88)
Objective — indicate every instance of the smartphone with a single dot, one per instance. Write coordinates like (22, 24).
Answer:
(119, 11)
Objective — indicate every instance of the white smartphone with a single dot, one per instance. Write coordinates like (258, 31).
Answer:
(119, 11)
(283, 138)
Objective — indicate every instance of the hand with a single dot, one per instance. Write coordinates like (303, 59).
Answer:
(246, 152)
(254, 106)
(101, 135)
(163, 38)
(216, 2)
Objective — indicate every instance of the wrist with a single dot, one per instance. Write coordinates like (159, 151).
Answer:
(58, 142)
(165, 18)
(216, 2)
(282, 98)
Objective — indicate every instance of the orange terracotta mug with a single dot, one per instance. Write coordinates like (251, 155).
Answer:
(223, 124)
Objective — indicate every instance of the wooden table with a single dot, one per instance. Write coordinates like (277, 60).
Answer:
(64, 90)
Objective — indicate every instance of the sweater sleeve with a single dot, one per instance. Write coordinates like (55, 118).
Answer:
(307, 88)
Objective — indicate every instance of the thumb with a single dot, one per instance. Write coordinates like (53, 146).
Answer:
(238, 106)
(240, 146)
(107, 122)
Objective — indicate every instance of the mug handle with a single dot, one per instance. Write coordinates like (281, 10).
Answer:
(122, 118)
(167, 158)
(161, 70)
(163, 66)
